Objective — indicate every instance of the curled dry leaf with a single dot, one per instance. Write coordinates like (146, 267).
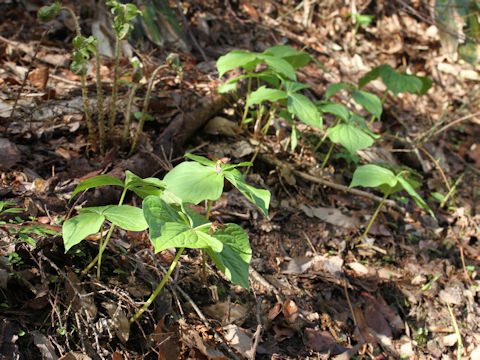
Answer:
(221, 126)
(290, 311)
(238, 338)
(39, 77)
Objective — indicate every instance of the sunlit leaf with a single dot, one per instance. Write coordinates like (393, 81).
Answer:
(76, 229)
(234, 259)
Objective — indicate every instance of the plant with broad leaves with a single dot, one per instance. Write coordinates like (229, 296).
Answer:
(388, 182)
(282, 89)
(172, 224)
(350, 129)
(91, 219)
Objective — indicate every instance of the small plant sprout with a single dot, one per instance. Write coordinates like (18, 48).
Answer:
(137, 75)
(360, 20)
(122, 25)
(375, 176)
(171, 61)
(172, 224)
(90, 221)
(82, 48)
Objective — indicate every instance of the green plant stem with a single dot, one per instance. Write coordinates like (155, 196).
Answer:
(128, 115)
(326, 157)
(146, 102)
(86, 105)
(113, 105)
(204, 253)
(270, 116)
(103, 246)
(457, 332)
(75, 19)
(101, 112)
(245, 110)
(384, 97)
(320, 142)
(99, 263)
(159, 287)
(374, 216)
(88, 117)
(452, 191)
(329, 149)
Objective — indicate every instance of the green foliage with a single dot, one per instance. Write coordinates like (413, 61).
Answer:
(124, 14)
(281, 89)
(352, 131)
(83, 47)
(397, 82)
(9, 210)
(48, 13)
(203, 179)
(375, 176)
(170, 222)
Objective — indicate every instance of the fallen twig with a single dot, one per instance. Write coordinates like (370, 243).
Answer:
(315, 179)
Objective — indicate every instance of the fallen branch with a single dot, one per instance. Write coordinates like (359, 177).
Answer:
(277, 163)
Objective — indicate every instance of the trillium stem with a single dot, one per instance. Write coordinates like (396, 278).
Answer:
(101, 111)
(146, 102)
(374, 216)
(128, 114)
(204, 253)
(113, 105)
(159, 287)
(99, 263)
(326, 157)
(384, 97)
(245, 110)
(103, 245)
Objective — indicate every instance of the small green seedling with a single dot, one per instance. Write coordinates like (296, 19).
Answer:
(91, 219)
(360, 20)
(122, 26)
(282, 89)
(375, 176)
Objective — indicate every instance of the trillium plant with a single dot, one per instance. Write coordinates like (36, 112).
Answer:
(171, 223)
(350, 129)
(388, 182)
(282, 90)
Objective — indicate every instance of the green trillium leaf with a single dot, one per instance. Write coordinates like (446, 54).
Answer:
(76, 229)
(234, 259)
